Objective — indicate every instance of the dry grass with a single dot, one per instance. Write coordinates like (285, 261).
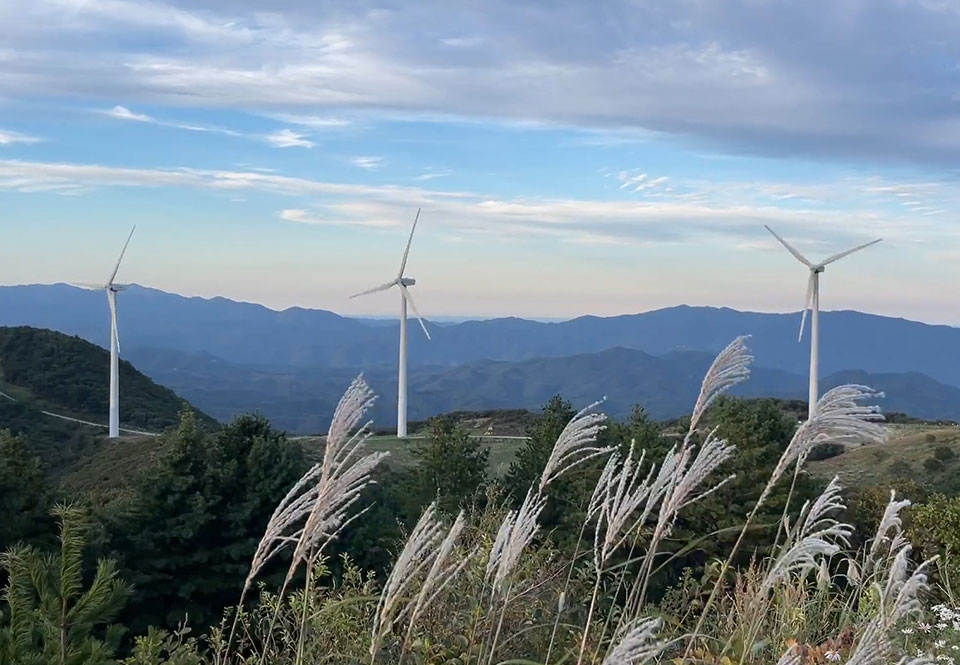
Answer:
(873, 465)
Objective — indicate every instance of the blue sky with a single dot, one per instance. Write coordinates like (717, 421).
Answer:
(594, 158)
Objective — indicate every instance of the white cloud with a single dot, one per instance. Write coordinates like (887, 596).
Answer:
(725, 214)
(639, 182)
(431, 175)
(301, 216)
(123, 113)
(369, 163)
(9, 138)
(287, 138)
(752, 76)
(312, 121)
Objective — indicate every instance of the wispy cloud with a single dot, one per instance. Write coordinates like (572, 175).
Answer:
(123, 113)
(287, 138)
(301, 216)
(9, 138)
(639, 182)
(430, 175)
(727, 214)
(312, 121)
(281, 138)
(369, 163)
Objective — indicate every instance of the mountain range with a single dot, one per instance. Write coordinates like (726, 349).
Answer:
(302, 400)
(229, 357)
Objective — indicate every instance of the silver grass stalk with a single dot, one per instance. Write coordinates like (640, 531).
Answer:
(638, 645)
(294, 507)
(344, 473)
(839, 418)
(688, 478)
(418, 553)
(516, 531)
(575, 445)
(818, 536)
(792, 656)
(441, 572)
(730, 367)
(872, 648)
(607, 476)
(898, 600)
(889, 522)
(624, 492)
(901, 595)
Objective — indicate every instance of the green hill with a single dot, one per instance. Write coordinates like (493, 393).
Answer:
(45, 371)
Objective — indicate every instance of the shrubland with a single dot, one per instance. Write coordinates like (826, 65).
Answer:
(629, 542)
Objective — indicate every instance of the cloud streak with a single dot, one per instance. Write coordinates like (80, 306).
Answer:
(726, 214)
(281, 138)
(8, 137)
(769, 78)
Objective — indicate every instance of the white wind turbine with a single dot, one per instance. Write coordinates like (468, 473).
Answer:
(112, 290)
(402, 283)
(813, 304)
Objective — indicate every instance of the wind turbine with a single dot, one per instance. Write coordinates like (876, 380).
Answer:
(812, 303)
(402, 283)
(112, 290)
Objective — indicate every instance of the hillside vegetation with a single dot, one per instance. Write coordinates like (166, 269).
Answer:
(927, 454)
(43, 370)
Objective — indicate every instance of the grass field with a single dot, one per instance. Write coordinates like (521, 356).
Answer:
(907, 448)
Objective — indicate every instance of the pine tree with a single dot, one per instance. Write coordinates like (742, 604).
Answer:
(196, 517)
(451, 465)
(53, 620)
(24, 495)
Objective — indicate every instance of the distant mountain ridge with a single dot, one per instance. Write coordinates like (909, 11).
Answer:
(302, 400)
(248, 334)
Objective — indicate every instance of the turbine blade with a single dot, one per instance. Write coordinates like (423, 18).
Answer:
(403, 263)
(116, 268)
(113, 319)
(87, 285)
(406, 294)
(807, 304)
(382, 287)
(837, 257)
(797, 255)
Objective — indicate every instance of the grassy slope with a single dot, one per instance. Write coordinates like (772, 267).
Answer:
(44, 370)
(876, 465)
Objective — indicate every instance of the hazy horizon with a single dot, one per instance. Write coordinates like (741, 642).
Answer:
(456, 318)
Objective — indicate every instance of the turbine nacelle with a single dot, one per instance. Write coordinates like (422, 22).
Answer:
(407, 281)
(812, 304)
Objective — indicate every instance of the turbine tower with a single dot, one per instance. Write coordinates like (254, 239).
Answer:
(812, 303)
(402, 282)
(112, 289)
